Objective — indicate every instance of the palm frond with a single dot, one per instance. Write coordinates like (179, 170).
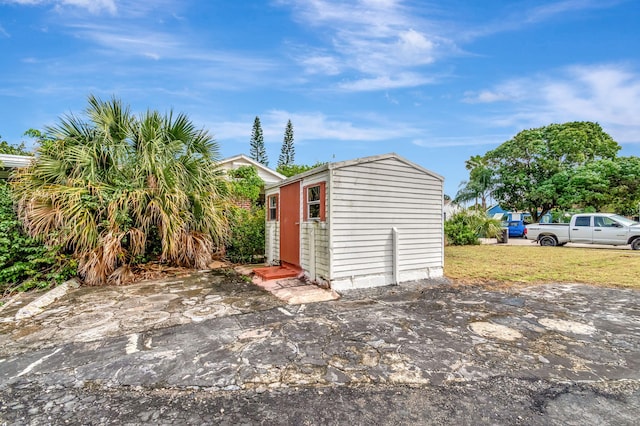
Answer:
(111, 186)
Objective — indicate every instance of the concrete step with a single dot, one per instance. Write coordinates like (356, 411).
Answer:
(276, 272)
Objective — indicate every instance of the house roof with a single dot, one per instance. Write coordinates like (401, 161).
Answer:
(269, 176)
(496, 208)
(340, 164)
(13, 161)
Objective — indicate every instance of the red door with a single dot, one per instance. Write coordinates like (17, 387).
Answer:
(290, 224)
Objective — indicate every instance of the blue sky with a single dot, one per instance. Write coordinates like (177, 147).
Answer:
(435, 81)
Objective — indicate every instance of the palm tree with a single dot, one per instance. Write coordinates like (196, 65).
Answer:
(116, 189)
(480, 182)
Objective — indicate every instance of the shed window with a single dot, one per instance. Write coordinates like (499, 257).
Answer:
(314, 202)
(272, 211)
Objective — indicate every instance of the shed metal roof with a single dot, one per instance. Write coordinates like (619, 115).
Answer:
(347, 163)
(13, 161)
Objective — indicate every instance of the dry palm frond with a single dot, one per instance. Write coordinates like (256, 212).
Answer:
(123, 275)
(113, 252)
(137, 241)
(96, 266)
(92, 268)
(194, 250)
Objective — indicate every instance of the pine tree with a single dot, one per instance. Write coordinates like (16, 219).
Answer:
(288, 151)
(257, 151)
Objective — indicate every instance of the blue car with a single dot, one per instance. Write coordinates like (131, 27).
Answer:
(516, 228)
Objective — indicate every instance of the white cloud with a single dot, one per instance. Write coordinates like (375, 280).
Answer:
(120, 42)
(386, 82)
(319, 126)
(315, 126)
(415, 47)
(373, 39)
(508, 91)
(321, 64)
(564, 7)
(516, 15)
(26, 2)
(93, 6)
(608, 94)
(122, 8)
(391, 99)
(128, 40)
(367, 41)
(475, 140)
(486, 96)
(376, 44)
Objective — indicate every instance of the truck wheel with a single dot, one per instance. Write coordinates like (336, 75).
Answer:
(548, 241)
(635, 244)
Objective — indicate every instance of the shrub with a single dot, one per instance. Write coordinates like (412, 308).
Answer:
(459, 234)
(246, 217)
(245, 183)
(467, 226)
(26, 263)
(246, 242)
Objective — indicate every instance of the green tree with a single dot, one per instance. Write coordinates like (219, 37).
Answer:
(294, 169)
(607, 184)
(625, 186)
(115, 189)
(7, 148)
(287, 152)
(257, 150)
(533, 169)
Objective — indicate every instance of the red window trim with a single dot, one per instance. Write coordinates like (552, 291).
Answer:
(323, 200)
(277, 197)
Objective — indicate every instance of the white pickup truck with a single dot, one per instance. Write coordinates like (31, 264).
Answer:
(588, 228)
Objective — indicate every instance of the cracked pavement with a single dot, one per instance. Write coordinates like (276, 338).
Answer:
(212, 349)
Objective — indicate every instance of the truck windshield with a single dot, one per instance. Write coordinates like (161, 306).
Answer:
(623, 220)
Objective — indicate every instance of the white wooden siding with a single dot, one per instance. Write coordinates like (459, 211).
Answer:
(272, 242)
(272, 234)
(321, 232)
(369, 200)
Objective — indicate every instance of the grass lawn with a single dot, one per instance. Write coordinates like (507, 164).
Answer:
(529, 265)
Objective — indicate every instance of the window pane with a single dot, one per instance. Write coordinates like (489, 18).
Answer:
(273, 207)
(313, 193)
(583, 221)
(314, 211)
(607, 222)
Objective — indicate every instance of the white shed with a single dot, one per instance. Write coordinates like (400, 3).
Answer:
(368, 222)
